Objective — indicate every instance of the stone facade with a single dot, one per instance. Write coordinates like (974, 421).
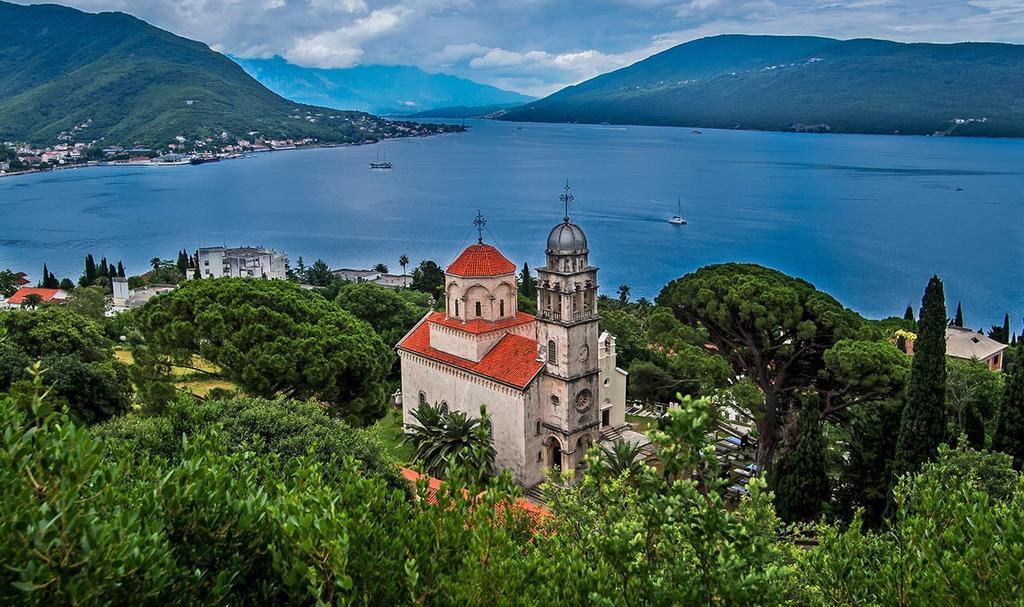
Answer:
(550, 383)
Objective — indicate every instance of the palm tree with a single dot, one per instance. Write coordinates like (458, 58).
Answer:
(382, 268)
(155, 262)
(623, 294)
(444, 438)
(32, 300)
(404, 261)
(622, 458)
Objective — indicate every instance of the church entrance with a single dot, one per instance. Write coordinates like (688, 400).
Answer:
(554, 453)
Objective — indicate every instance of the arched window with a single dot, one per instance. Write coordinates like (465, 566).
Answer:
(456, 307)
(423, 398)
(552, 352)
(478, 308)
(538, 428)
(501, 307)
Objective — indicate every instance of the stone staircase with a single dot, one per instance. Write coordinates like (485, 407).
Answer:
(535, 495)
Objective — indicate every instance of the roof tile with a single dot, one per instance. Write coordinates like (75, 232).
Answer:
(481, 260)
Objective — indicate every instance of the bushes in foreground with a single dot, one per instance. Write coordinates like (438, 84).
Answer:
(135, 513)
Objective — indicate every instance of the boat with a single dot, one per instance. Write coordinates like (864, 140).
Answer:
(381, 164)
(696, 132)
(677, 219)
(205, 158)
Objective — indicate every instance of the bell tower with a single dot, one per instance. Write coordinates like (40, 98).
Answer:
(567, 333)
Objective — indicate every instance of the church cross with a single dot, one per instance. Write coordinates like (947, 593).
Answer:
(479, 222)
(566, 199)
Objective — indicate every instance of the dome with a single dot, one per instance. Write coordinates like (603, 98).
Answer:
(481, 260)
(567, 239)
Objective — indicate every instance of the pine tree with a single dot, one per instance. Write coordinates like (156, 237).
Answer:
(923, 425)
(799, 478)
(90, 269)
(1009, 437)
(959, 320)
(909, 313)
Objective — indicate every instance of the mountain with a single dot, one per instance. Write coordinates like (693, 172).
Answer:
(806, 84)
(381, 89)
(82, 77)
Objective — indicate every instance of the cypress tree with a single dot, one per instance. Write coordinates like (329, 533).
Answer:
(52, 281)
(909, 313)
(1009, 436)
(799, 478)
(45, 279)
(959, 320)
(528, 286)
(104, 270)
(923, 426)
(1006, 328)
(90, 268)
(182, 261)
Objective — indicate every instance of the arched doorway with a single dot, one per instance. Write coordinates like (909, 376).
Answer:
(553, 453)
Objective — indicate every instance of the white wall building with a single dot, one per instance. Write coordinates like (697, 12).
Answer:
(242, 262)
(549, 382)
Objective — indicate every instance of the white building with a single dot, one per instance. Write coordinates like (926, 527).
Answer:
(549, 382)
(242, 262)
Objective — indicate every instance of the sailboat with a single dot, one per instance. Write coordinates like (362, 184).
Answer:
(677, 219)
(381, 164)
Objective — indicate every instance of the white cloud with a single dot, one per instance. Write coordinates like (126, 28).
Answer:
(538, 46)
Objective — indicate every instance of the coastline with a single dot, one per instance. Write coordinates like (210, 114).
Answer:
(242, 156)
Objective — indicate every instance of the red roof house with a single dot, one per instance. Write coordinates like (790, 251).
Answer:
(58, 296)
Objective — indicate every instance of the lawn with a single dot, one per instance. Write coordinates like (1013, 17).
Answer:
(189, 379)
(642, 424)
(389, 429)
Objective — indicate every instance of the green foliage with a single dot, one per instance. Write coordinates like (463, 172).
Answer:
(973, 393)
(429, 278)
(622, 458)
(924, 425)
(799, 478)
(771, 327)
(815, 84)
(8, 283)
(1009, 435)
(390, 313)
(859, 371)
(864, 482)
(287, 429)
(652, 541)
(318, 274)
(445, 440)
(272, 339)
(90, 302)
(948, 544)
(55, 331)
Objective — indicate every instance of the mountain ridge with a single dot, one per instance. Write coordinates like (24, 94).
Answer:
(380, 89)
(805, 83)
(76, 76)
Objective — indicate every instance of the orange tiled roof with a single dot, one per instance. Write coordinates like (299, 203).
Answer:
(481, 260)
(512, 361)
(536, 514)
(481, 326)
(44, 294)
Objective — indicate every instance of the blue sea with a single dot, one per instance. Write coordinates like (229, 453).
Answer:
(867, 218)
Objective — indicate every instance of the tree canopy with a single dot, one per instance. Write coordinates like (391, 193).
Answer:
(771, 327)
(272, 339)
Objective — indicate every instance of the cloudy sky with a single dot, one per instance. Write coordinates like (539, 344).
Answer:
(539, 46)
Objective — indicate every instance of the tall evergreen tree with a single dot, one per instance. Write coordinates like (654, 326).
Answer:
(104, 270)
(959, 320)
(924, 426)
(182, 261)
(1009, 437)
(90, 269)
(799, 478)
(527, 283)
(909, 313)
(120, 269)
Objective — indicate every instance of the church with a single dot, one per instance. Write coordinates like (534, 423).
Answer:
(550, 382)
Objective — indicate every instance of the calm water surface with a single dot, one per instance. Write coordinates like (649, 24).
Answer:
(866, 218)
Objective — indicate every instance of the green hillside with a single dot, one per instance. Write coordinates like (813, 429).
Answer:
(806, 84)
(130, 82)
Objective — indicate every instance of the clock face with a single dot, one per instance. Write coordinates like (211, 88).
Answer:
(583, 400)
(583, 353)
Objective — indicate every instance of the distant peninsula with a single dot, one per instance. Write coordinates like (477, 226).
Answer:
(805, 84)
